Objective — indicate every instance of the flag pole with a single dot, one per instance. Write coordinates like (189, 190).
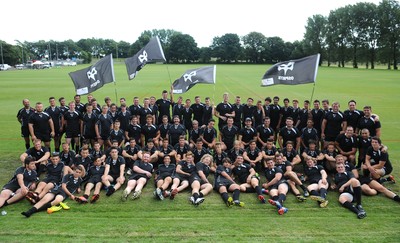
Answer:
(169, 75)
(312, 94)
(116, 95)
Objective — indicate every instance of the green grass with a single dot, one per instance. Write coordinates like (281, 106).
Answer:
(150, 220)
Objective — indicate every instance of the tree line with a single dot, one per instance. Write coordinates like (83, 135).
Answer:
(361, 33)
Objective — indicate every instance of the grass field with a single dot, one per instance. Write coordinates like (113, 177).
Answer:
(149, 220)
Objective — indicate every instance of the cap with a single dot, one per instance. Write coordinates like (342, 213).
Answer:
(248, 119)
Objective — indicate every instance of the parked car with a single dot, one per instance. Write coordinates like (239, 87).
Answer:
(19, 66)
(4, 67)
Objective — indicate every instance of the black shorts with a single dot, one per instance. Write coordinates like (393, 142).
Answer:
(58, 191)
(162, 177)
(137, 177)
(72, 134)
(90, 136)
(314, 181)
(226, 184)
(25, 131)
(330, 138)
(53, 180)
(94, 180)
(276, 185)
(194, 178)
(365, 180)
(11, 186)
(181, 177)
(115, 177)
(44, 137)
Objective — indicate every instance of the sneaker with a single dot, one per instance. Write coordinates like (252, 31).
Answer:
(110, 191)
(300, 198)
(35, 196)
(30, 199)
(262, 199)
(264, 191)
(82, 199)
(159, 194)
(229, 202)
(173, 194)
(136, 195)
(191, 199)
(317, 198)
(166, 194)
(124, 196)
(64, 206)
(361, 214)
(53, 209)
(360, 208)
(94, 198)
(306, 193)
(324, 203)
(275, 203)
(239, 203)
(391, 178)
(199, 201)
(282, 210)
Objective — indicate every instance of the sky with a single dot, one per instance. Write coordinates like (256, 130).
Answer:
(120, 20)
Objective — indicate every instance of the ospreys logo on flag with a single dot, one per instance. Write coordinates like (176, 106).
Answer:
(192, 77)
(152, 52)
(94, 77)
(299, 71)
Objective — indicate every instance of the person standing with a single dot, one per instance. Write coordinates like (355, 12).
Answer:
(55, 113)
(23, 118)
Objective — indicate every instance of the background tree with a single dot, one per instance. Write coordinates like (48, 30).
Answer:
(389, 30)
(274, 50)
(254, 45)
(315, 36)
(182, 49)
(227, 48)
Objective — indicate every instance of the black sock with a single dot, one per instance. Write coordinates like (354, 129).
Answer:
(86, 196)
(5, 203)
(45, 207)
(323, 192)
(275, 198)
(357, 194)
(258, 190)
(382, 180)
(28, 213)
(314, 193)
(77, 148)
(201, 194)
(225, 196)
(303, 187)
(350, 206)
(396, 198)
(281, 198)
(236, 194)
(27, 146)
(195, 196)
(57, 149)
